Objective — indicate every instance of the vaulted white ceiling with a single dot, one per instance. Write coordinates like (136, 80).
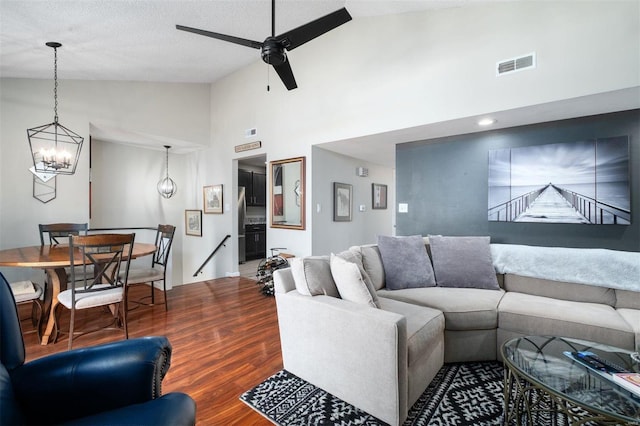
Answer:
(137, 39)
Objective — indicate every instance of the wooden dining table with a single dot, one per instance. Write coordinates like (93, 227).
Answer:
(54, 259)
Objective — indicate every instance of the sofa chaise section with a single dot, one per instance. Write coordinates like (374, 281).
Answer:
(471, 318)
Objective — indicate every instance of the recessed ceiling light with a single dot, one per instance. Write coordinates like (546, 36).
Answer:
(486, 121)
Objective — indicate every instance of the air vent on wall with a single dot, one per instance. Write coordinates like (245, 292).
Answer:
(362, 171)
(516, 64)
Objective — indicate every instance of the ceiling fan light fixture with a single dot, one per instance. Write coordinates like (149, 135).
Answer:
(55, 149)
(166, 186)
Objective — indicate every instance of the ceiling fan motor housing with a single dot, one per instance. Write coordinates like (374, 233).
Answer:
(273, 52)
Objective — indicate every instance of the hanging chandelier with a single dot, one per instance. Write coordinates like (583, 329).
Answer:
(167, 187)
(55, 149)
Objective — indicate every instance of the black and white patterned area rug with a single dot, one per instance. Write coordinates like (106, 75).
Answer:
(460, 394)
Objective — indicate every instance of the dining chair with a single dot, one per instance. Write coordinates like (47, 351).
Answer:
(28, 292)
(58, 233)
(109, 255)
(158, 269)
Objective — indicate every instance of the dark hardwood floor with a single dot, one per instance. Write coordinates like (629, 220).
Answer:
(225, 340)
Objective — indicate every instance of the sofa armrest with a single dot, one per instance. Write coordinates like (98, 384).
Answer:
(355, 352)
(85, 381)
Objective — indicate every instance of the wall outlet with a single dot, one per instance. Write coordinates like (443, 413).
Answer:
(363, 207)
(403, 208)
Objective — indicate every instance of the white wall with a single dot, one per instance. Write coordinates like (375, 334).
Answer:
(330, 236)
(124, 194)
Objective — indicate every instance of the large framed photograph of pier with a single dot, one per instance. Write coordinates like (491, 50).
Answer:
(576, 182)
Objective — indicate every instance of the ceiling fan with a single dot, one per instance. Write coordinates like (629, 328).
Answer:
(273, 48)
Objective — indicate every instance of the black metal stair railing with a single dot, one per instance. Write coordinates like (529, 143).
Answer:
(212, 254)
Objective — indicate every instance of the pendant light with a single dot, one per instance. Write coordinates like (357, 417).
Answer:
(55, 149)
(167, 187)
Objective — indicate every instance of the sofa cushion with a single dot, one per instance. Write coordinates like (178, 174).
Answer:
(627, 299)
(463, 262)
(406, 263)
(560, 290)
(527, 314)
(356, 257)
(632, 317)
(425, 326)
(372, 263)
(312, 276)
(350, 282)
(463, 308)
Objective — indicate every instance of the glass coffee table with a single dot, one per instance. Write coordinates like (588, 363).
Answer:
(544, 386)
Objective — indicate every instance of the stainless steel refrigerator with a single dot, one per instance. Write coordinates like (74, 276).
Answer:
(242, 215)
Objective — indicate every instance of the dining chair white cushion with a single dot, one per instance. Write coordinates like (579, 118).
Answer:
(25, 290)
(91, 300)
(144, 275)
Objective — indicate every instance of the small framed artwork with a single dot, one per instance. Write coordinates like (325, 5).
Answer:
(378, 196)
(212, 199)
(193, 222)
(342, 202)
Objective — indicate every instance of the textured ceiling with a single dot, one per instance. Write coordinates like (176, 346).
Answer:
(137, 40)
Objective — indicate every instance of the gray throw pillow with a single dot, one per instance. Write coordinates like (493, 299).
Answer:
(372, 263)
(406, 263)
(312, 276)
(463, 262)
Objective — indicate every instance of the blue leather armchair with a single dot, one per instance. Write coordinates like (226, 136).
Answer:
(116, 384)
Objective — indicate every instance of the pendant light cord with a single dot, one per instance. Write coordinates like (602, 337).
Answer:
(167, 161)
(55, 84)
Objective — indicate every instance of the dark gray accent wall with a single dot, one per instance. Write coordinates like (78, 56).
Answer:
(444, 183)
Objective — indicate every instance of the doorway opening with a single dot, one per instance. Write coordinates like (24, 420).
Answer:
(252, 214)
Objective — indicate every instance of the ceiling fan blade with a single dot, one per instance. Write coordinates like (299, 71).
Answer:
(224, 37)
(286, 75)
(307, 32)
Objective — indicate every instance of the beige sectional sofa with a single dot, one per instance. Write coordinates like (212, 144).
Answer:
(380, 353)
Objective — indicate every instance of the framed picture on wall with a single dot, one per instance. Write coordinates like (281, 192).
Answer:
(585, 181)
(378, 196)
(342, 202)
(193, 222)
(212, 199)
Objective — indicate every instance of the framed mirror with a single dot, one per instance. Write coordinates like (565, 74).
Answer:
(287, 188)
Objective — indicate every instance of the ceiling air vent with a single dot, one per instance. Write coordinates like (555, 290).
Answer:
(516, 64)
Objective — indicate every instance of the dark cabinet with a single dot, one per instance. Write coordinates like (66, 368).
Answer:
(255, 185)
(255, 241)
